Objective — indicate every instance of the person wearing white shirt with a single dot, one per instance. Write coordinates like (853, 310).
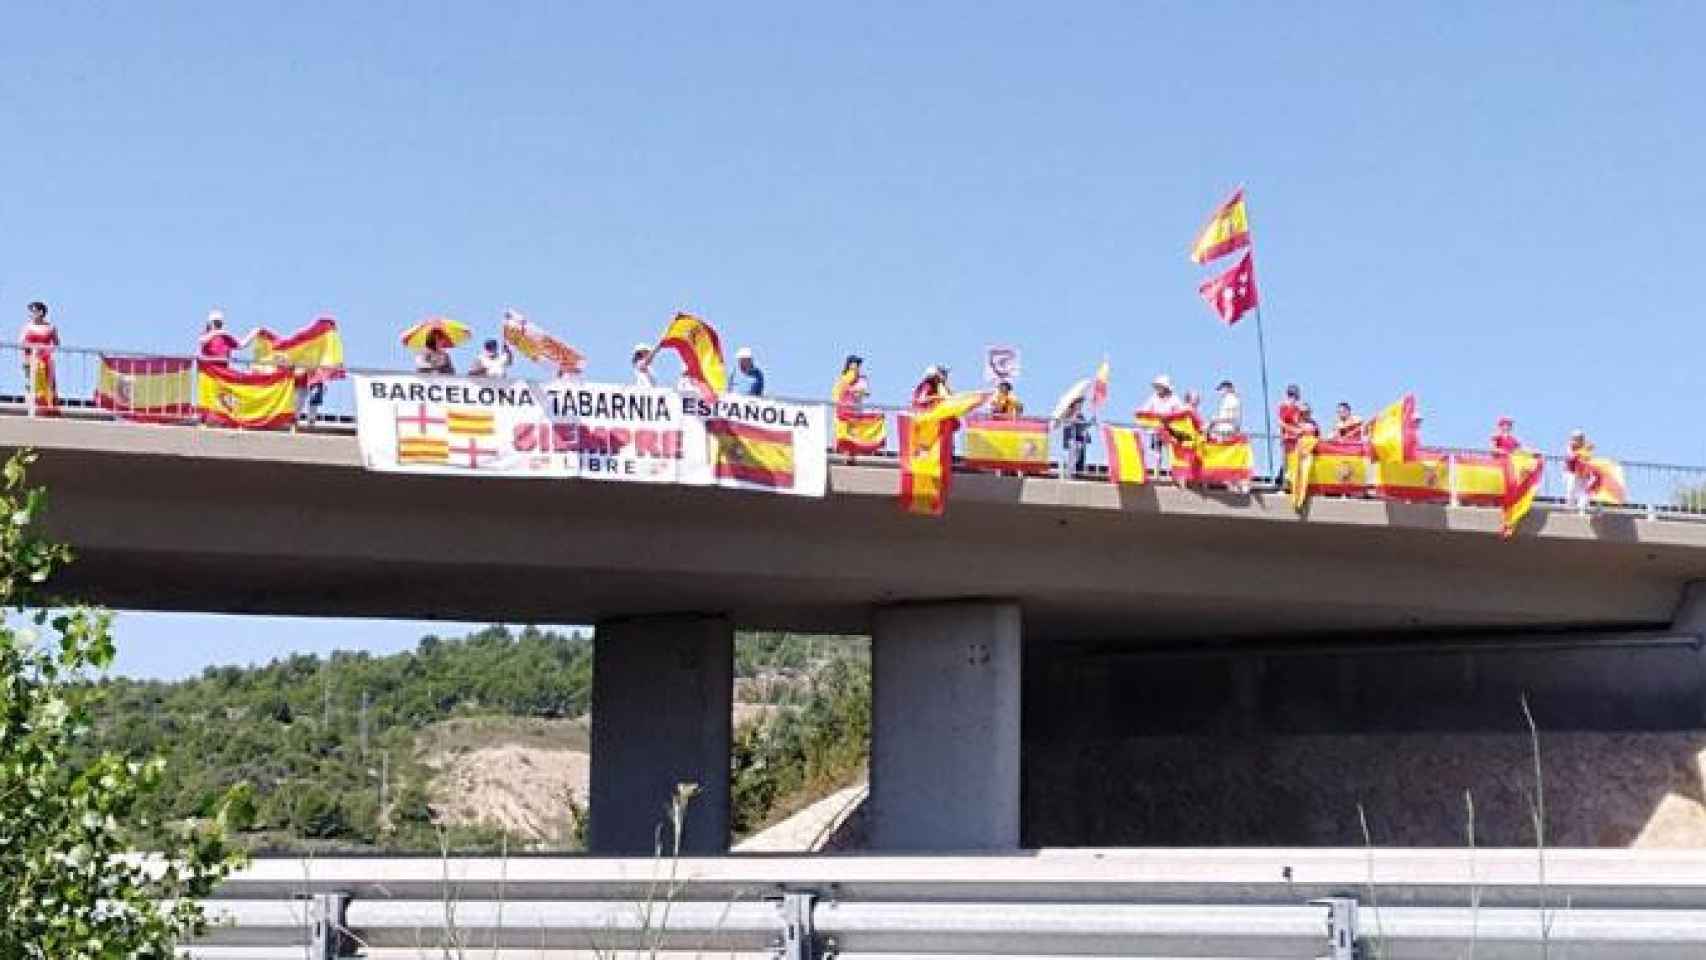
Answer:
(492, 361)
(643, 366)
(1163, 402)
(1229, 416)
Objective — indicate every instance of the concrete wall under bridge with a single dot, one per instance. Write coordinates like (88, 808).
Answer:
(1279, 744)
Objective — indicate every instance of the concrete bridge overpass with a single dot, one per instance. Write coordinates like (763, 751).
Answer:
(1030, 590)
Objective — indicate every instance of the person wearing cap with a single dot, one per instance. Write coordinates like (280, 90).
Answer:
(494, 361)
(1162, 402)
(217, 343)
(931, 389)
(1504, 437)
(1005, 405)
(1228, 419)
(642, 362)
(1348, 426)
(748, 380)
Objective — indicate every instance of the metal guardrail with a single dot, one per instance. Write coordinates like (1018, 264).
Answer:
(1655, 490)
(1338, 904)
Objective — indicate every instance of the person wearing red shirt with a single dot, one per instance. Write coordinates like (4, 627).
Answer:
(1288, 414)
(217, 343)
(1504, 440)
(37, 340)
(932, 389)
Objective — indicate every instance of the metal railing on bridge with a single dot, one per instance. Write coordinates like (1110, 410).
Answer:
(1654, 490)
(1336, 904)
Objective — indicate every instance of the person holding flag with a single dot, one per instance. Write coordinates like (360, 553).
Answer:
(857, 430)
(36, 342)
(932, 389)
(701, 352)
(1504, 437)
(217, 344)
(1005, 405)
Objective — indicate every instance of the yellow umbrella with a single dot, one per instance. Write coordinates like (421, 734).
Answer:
(453, 333)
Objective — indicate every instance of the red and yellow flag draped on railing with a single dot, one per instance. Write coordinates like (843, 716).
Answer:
(1125, 455)
(146, 389)
(1601, 478)
(1392, 436)
(857, 431)
(1007, 445)
(315, 354)
(1522, 472)
(927, 452)
(701, 352)
(1227, 229)
(1197, 458)
(228, 398)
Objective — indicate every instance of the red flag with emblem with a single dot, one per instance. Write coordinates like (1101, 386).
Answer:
(1233, 293)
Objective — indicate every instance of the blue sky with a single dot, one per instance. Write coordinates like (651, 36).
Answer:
(1488, 204)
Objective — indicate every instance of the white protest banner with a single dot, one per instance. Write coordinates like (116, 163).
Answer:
(514, 428)
(1000, 363)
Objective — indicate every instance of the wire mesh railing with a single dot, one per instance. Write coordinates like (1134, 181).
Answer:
(131, 386)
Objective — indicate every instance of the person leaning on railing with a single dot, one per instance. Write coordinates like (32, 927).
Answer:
(1005, 405)
(435, 358)
(217, 343)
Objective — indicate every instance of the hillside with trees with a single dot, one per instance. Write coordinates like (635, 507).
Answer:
(338, 750)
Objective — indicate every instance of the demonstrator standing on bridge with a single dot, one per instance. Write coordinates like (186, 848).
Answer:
(748, 380)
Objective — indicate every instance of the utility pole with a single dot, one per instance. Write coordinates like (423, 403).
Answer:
(384, 779)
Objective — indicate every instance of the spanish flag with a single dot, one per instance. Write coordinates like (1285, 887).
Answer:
(1330, 467)
(315, 353)
(758, 455)
(1481, 479)
(1228, 461)
(1125, 455)
(146, 389)
(1522, 481)
(1604, 479)
(1392, 436)
(927, 452)
(1227, 229)
(1007, 445)
(1099, 388)
(228, 398)
(1426, 479)
(857, 431)
(701, 352)
(1185, 442)
(44, 385)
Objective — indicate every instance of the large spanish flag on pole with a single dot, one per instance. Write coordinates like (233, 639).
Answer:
(1007, 445)
(1227, 229)
(927, 452)
(148, 389)
(1125, 455)
(700, 349)
(253, 401)
(315, 353)
(1393, 436)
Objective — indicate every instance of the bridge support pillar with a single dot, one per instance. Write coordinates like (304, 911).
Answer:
(662, 690)
(945, 726)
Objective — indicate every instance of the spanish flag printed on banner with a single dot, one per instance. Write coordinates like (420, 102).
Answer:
(1522, 471)
(1125, 455)
(254, 401)
(315, 353)
(759, 455)
(927, 453)
(1228, 229)
(1007, 445)
(1392, 436)
(701, 351)
(146, 389)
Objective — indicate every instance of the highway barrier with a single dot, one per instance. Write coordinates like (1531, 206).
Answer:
(1337, 904)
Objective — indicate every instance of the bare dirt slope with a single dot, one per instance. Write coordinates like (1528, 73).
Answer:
(518, 774)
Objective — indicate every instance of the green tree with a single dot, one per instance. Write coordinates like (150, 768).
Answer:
(69, 819)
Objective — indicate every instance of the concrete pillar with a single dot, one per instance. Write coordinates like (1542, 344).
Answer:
(661, 697)
(945, 727)
(1690, 617)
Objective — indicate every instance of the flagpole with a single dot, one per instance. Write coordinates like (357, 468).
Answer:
(1267, 405)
